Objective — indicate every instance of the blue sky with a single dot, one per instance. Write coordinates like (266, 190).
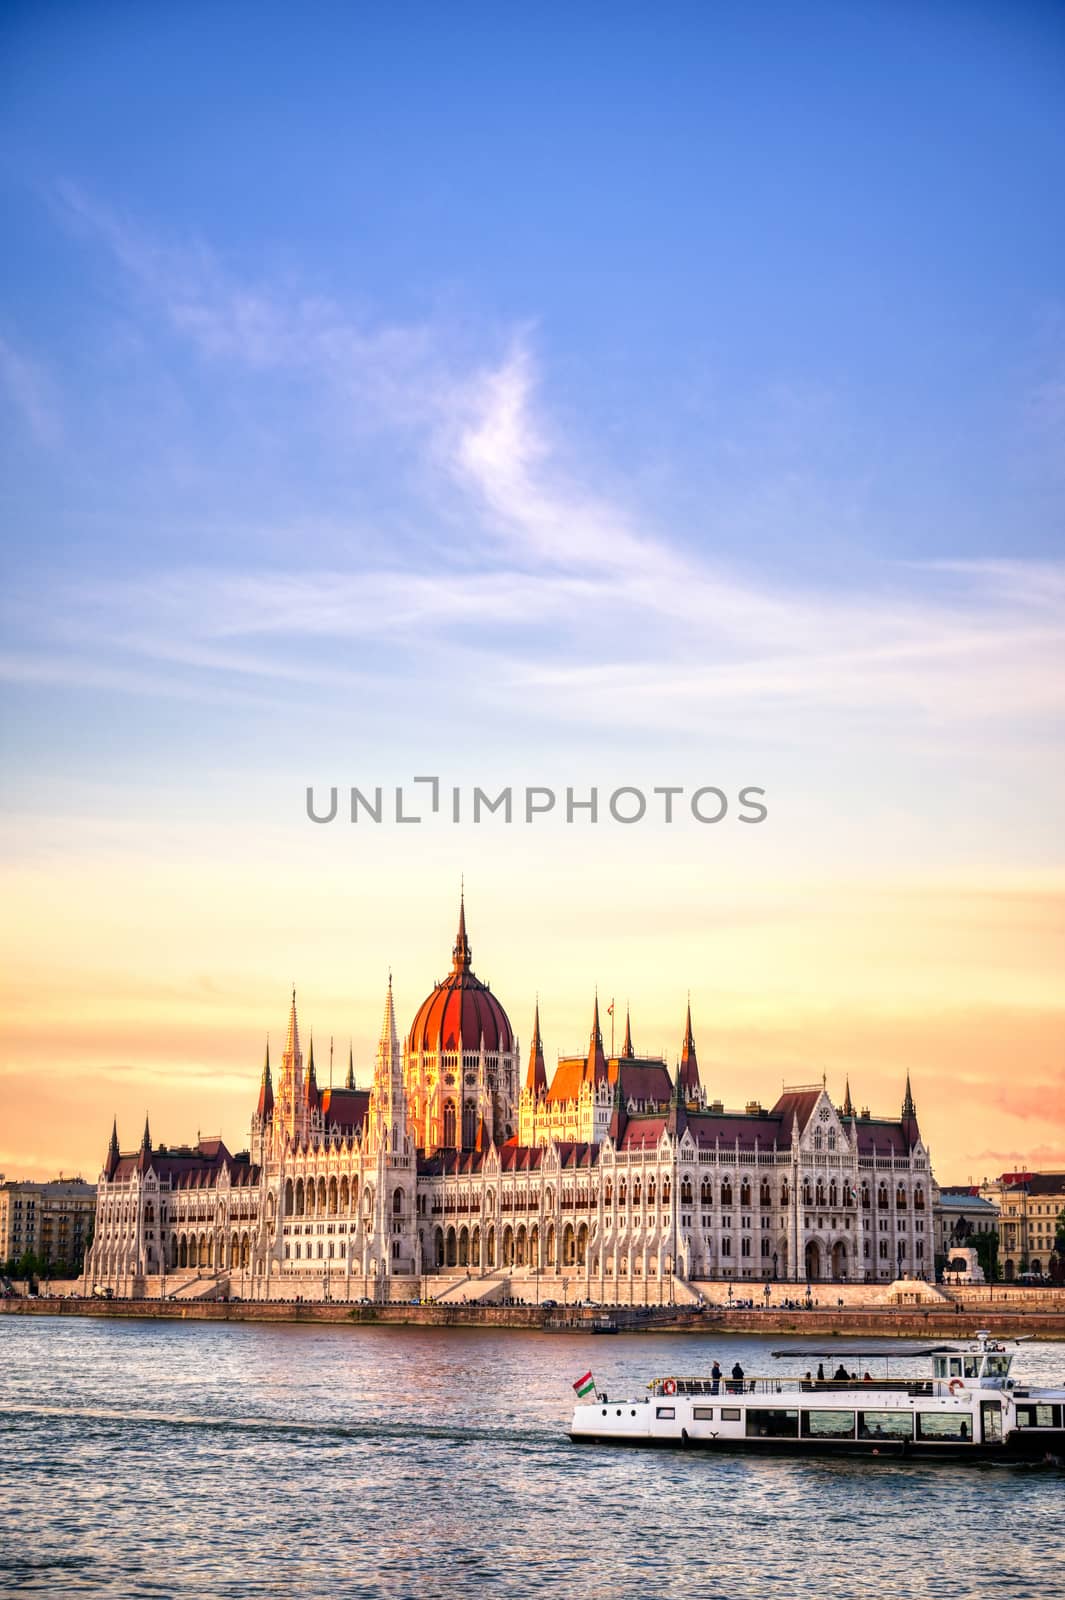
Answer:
(605, 394)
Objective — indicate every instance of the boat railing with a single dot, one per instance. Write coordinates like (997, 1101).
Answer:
(778, 1383)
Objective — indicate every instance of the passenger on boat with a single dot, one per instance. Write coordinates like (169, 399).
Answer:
(715, 1378)
(736, 1386)
(867, 1377)
(841, 1374)
(820, 1372)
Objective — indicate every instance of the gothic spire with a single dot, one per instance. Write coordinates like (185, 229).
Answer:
(848, 1104)
(596, 1068)
(266, 1089)
(677, 1116)
(292, 1045)
(112, 1151)
(145, 1153)
(389, 1036)
(618, 1114)
(689, 1061)
(536, 1078)
(460, 955)
(310, 1083)
(349, 1081)
(909, 1116)
(907, 1104)
(626, 1050)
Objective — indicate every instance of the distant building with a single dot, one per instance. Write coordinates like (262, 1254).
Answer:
(612, 1178)
(961, 1213)
(52, 1220)
(1030, 1204)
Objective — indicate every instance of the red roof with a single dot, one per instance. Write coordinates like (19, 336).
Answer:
(345, 1108)
(462, 1010)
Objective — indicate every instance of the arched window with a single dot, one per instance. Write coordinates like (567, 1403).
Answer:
(745, 1193)
(726, 1193)
(817, 1139)
(636, 1191)
(881, 1197)
(918, 1200)
(686, 1196)
(833, 1194)
(397, 1202)
(666, 1191)
(449, 1124)
(785, 1193)
(608, 1193)
(900, 1198)
(706, 1193)
(650, 1191)
(820, 1192)
(807, 1193)
(764, 1197)
(469, 1124)
(865, 1196)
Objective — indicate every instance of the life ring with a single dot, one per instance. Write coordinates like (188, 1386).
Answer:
(956, 1386)
(670, 1386)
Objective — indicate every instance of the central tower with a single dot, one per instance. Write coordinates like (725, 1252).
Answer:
(461, 1067)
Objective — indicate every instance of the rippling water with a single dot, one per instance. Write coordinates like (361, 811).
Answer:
(190, 1459)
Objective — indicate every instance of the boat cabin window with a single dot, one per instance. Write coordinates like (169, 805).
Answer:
(766, 1424)
(669, 1412)
(997, 1366)
(1035, 1416)
(828, 1424)
(703, 1413)
(942, 1427)
(730, 1413)
(885, 1425)
(971, 1366)
(955, 1366)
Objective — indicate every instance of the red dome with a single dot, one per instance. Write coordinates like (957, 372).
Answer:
(461, 1010)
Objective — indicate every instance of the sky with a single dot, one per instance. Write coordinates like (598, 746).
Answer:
(587, 398)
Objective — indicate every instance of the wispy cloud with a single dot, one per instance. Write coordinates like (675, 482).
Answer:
(641, 630)
(32, 392)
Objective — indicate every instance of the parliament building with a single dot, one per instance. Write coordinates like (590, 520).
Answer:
(456, 1175)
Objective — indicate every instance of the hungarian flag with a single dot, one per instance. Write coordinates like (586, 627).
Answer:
(585, 1385)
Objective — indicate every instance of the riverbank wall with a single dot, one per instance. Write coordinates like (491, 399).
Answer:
(925, 1322)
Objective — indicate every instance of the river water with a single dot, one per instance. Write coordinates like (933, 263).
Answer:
(192, 1459)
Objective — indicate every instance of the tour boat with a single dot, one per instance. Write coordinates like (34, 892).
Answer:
(968, 1408)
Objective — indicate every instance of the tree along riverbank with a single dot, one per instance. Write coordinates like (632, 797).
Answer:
(875, 1321)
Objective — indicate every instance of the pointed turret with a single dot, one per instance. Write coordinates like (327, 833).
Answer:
(349, 1081)
(387, 1127)
(618, 1115)
(596, 1068)
(264, 1110)
(389, 1035)
(689, 1062)
(292, 1044)
(627, 1052)
(677, 1116)
(310, 1085)
(909, 1116)
(144, 1154)
(460, 955)
(536, 1078)
(111, 1162)
(848, 1104)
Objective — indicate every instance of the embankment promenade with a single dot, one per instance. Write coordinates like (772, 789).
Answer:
(956, 1321)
